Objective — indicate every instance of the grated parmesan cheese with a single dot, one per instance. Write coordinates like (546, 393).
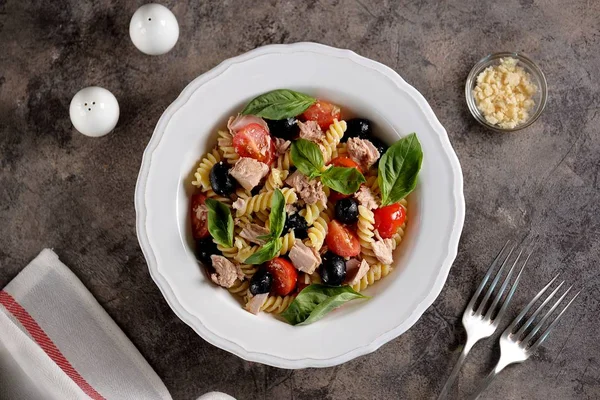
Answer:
(504, 94)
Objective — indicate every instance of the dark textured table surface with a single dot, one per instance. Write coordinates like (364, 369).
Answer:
(61, 189)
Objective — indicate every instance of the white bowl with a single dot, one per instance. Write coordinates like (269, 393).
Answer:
(187, 129)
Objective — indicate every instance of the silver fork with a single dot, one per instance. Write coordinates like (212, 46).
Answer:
(516, 347)
(481, 322)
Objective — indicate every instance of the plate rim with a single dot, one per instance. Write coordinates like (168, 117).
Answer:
(270, 359)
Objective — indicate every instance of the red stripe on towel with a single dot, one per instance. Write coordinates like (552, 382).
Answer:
(40, 337)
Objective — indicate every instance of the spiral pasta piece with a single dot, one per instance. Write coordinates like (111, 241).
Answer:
(228, 252)
(308, 279)
(317, 232)
(245, 251)
(365, 231)
(212, 195)
(275, 179)
(340, 151)
(202, 173)
(311, 212)
(284, 161)
(262, 202)
(243, 193)
(239, 288)
(332, 138)
(225, 143)
(287, 242)
(375, 273)
(277, 304)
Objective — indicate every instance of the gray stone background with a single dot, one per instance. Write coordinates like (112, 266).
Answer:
(61, 189)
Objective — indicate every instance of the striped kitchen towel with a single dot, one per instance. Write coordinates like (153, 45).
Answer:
(57, 342)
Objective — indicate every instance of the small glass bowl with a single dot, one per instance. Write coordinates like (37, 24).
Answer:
(536, 75)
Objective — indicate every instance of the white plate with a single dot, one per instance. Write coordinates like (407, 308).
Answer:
(359, 85)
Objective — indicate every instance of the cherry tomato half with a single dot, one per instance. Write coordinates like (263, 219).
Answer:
(341, 240)
(388, 219)
(199, 216)
(255, 142)
(284, 275)
(322, 112)
(342, 162)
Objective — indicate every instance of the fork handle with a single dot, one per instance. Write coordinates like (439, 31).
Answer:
(486, 382)
(461, 359)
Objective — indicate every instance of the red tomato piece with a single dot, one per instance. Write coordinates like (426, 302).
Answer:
(284, 275)
(322, 112)
(255, 142)
(346, 162)
(388, 219)
(341, 240)
(199, 216)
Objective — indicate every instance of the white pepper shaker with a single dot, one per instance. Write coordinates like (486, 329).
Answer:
(153, 29)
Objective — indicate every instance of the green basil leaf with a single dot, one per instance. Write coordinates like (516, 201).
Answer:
(307, 157)
(220, 222)
(279, 104)
(316, 301)
(277, 216)
(398, 169)
(265, 253)
(342, 179)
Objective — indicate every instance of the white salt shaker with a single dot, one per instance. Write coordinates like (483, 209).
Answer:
(153, 29)
(94, 111)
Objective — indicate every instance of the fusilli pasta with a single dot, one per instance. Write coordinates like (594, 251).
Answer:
(239, 288)
(262, 201)
(212, 195)
(202, 173)
(287, 241)
(225, 142)
(332, 138)
(276, 304)
(275, 180)
(366, 220)
(284, 161)
(311, 212)
(375, 273)
(317, 232)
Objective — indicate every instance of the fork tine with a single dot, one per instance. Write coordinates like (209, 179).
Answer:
(538, 326)
(506, 281)
(522, 330)
(471, 305)
(523, 312)
(511, 292)
(490, 290)
(544, 335)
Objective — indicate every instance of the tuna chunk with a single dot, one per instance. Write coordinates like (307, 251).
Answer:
(309, 191)
(383, 249)
(256, 302)
(226, 271)
(365, 197)
(235, 124)
(363, 152)
(281, 145)
(304, 258)
(248, 172)
(310, 130)
(355, 270)
(239, 204)
(251, 233)
(291, 209)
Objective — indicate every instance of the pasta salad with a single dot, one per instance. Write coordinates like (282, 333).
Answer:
(297, 210)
